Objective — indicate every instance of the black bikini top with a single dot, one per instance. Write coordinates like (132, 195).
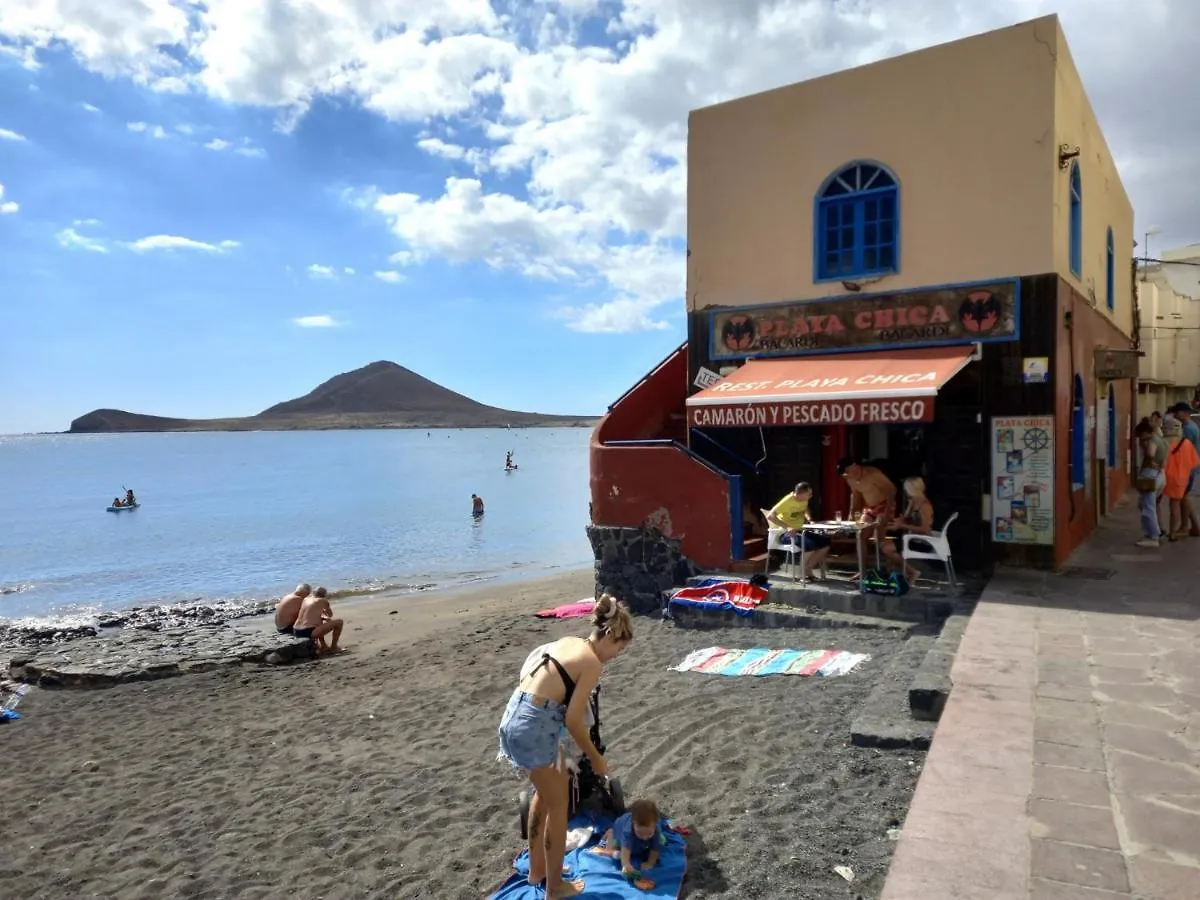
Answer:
(568, 681)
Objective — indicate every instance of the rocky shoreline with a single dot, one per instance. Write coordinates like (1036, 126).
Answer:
(141, 618)
(142, 644)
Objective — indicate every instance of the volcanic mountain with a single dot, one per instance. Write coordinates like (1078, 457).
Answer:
(379, 395)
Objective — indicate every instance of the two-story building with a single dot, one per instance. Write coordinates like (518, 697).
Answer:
(924, 263)
(1168, 318)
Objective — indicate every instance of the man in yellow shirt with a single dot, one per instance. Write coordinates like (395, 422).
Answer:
(790, 514)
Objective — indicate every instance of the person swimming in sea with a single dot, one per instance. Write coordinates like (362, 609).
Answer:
(476, 505)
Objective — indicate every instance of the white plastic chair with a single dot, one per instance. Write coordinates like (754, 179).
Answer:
(939, 548)
(774, 542)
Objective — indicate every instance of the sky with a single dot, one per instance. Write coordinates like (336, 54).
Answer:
(210, 206)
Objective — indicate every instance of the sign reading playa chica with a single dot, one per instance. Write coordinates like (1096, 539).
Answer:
(983, 312)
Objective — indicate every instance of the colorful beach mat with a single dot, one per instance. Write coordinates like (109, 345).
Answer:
(568, 610)
(740, 596)
(761, 661)
(602, 874)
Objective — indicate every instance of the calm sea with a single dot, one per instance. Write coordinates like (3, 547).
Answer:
(246, 516)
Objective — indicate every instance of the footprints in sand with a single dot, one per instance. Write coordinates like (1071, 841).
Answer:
(232, 786)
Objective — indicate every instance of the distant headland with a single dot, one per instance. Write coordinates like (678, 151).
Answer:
(379, 395)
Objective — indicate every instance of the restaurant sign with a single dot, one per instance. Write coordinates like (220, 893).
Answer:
(766, 414)
(985, 312)
(1113, 364)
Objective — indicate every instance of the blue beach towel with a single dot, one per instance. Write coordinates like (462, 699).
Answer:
(602, 874)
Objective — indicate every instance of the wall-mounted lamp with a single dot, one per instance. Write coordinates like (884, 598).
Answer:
(1066, 153)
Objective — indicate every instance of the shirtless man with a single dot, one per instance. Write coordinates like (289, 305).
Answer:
(873, 493)
(288, 608)
(315, 620)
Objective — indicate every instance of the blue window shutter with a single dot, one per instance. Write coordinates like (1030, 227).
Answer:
(1075, 236)
(850, 240)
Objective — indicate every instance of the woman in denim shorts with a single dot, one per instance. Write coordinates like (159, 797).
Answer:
(550, 706)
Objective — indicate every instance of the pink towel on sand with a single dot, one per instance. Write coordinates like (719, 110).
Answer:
(568, 611)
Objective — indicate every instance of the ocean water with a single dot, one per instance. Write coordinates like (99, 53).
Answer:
(246, 516)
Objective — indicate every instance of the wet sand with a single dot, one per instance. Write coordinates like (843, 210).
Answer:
(372, 774)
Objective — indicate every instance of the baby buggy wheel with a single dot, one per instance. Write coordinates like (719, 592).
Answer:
(523, 802)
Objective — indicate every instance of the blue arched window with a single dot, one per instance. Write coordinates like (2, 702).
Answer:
(857, 223)
(1076, 233)
(1078, 431)
(1112, 422)
(1109, 282)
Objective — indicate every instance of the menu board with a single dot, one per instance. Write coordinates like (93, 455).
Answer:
(1023, 479)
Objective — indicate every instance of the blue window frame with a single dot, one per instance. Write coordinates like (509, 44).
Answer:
(1078, 430)
(1109, 282)
(1076, 233)
(857, 227)
(1112, 425)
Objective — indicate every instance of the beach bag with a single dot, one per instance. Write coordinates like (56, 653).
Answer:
(878, 581)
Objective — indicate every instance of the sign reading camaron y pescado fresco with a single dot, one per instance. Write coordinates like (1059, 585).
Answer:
(987, 312)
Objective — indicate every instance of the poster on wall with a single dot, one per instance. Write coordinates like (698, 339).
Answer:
(1023, 479)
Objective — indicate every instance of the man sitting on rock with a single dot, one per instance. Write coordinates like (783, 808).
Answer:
(315, 620)
(289, 607)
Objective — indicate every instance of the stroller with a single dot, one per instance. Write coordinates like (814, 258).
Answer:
(587, 790)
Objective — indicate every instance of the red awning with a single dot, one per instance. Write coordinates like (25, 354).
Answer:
(854, 389)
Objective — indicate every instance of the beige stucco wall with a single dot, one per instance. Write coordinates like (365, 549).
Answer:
(1170, 340)
(1105, 203)
(968, 128)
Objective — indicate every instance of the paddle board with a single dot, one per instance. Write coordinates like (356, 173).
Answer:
(123, 508)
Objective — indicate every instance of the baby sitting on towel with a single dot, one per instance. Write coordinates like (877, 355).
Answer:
(636, 840)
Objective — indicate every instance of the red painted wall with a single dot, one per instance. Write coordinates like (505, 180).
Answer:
(662, 486)
(654, 408)
(1075, 511)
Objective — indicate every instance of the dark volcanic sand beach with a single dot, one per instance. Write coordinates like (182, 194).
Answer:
(372, 774)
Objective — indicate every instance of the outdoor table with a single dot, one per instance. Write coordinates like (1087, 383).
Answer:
(831, 529)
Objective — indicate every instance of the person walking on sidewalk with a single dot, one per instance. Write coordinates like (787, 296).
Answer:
(1150, 481)
(1181, 462)
(1191, 434)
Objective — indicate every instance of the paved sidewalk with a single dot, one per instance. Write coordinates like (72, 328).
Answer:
(1067, 763)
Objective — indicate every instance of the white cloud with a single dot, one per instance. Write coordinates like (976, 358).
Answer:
(73, 240)
(318, 271)
(85, 223)
(175, 242)
(477, 158)
(90, 108)
(8, 135)
(7, 207)
(591, 140)
(185, 129)
(390, 277)
(348, 271)
(155, 131)
(244, 150)
(322, 321)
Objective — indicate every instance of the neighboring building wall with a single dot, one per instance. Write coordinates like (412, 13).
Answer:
(967, 128)
(1170, 338)
(1105, 205)
(1077, 507)
(1169, 307)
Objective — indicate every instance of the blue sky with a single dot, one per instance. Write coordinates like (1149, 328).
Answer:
(194, 332)
(210, 208)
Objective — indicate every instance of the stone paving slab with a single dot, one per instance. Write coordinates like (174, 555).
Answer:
(1067, 762)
